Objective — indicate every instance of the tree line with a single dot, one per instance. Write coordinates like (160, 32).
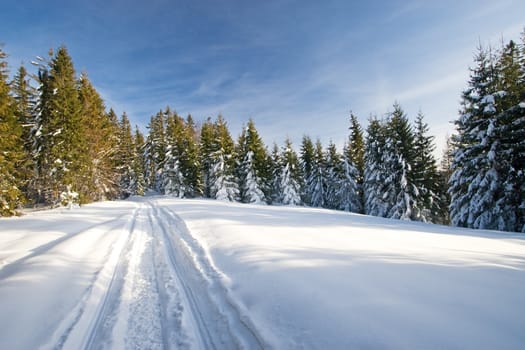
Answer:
(59, 144)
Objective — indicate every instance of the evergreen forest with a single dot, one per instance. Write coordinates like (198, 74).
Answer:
(61, 145)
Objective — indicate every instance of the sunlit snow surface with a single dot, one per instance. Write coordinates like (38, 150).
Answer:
(159, 272)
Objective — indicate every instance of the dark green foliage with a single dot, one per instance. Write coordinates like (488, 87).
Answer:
(425, 175)
(25, 98)
(101, 178)
(355, 151)
(11, 148)
(307, 163)
(62, 155)
(487, 182)
(254, 170)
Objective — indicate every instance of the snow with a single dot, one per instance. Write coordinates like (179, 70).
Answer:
(161, 272)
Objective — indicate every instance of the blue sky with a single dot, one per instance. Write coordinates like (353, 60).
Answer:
(294, 67)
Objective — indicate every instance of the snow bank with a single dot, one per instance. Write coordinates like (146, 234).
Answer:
(321, 279)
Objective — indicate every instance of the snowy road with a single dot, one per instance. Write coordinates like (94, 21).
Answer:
(136, 279)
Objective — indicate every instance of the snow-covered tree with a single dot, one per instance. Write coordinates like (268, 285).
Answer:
(124, 158)
(425, 174)
(355, 150)
(62, 145)
(374, 174)
(289, 176)
(208, 146)
(253, 166)
(155, 150)
(333, 172)
(222, 179)
(399, 191)
(306, 164)
(475, 181)
(138, 183)
(276, 167)
(349, 190)
(316, 183)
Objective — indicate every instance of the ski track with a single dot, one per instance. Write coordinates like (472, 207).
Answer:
(156, 290)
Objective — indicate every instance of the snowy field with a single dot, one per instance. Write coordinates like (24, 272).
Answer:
(156, 272)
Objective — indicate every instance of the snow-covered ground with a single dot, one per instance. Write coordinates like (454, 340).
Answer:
(158, 272)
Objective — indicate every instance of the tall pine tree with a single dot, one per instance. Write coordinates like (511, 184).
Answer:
(62, 155)
(253, 166)
(11, 147)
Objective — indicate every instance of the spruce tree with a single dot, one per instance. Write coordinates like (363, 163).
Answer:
(25, 96)
(374, 174)
(138, 183)
(333, 173)
(190, 159)
(253, 166)
(289, 176)
(316, 183)
(125, 157)
(276, 173)
(11, 147)
(306, 164)
(356, 148)
(475, 182)
(173, 181)
(425, 174)
(100, 131)
(224, 184)
(155, 150)
(509, 153)
(444, 175)
(398, 189)
(349, 191)
(208, 145)
(62, 145)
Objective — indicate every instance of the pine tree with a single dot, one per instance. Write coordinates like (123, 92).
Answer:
(190, 159)
(374, 174)
(306, 164)
(125, 157)
(101, 174)
(399, 190)
(253, 166)
(222, 160)
(173, 181)
(349, 191)
(509, 152)
(276, 171)
(356, 148)
(25, 101)
(138, 183)
(62, 145)
(155, 150)
(11, 147)
(475, 182)
(289, 176)
(333, 173)
(444, 175)
(208, 146)
(425, 174)
(317, 181)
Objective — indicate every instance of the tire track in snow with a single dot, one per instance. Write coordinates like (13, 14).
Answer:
(150, 315)
(219, 323)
